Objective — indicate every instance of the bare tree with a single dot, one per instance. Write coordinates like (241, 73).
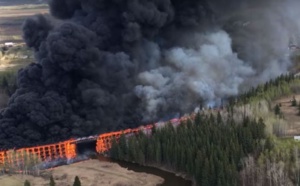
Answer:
(21, 162)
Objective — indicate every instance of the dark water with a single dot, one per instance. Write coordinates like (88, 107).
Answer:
(170, 178)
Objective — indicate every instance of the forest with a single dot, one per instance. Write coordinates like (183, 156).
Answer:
(275, 88)
(208, 149)
(213, 150)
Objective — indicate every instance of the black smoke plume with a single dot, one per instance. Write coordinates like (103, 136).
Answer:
(103, 65)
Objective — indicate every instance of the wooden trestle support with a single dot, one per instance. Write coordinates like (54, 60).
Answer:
(104, 141)
(67, 149)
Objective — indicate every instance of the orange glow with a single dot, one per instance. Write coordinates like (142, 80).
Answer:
(67, 149)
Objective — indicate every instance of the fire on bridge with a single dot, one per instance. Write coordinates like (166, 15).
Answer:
(67, 149)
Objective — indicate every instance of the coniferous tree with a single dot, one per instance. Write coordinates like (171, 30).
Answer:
(27, 183)
(122, 150)
(219, 118)
(52, 182)
(294, 102)
(4, 83)
(205, 174)
(277, 110)
(185, 148)
(77, 181)
(114, 149)
(158, 152)
(198, 119)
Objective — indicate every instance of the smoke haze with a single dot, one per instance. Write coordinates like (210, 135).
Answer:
(103, 65)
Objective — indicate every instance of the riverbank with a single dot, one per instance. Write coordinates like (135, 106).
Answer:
(180, 174)
(171, 178)
(90, 172)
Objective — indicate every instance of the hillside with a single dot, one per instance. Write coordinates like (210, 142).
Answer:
(248, 129)
(290, 114)
(103, 173)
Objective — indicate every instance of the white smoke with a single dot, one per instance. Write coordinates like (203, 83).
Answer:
(250, 47)
(264, 41)
(210, 70)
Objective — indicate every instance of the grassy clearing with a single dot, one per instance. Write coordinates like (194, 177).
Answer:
(12, 18)
(275, 125)
(11, 37)
(18, 180)
(24, 7)
(14, 58)
(91, 172)
(286, 139)
(7, 180)
(290, 114)
(17, 52)
(285, 127)
(11, 30)
(262, 109)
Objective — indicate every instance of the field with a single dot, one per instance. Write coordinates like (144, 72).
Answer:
(20, 2)
(12, 17)
(90, 173)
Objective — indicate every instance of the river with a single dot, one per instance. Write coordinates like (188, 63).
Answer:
(170, 178)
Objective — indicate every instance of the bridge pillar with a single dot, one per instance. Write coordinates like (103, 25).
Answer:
(70, 149)
(100, 145)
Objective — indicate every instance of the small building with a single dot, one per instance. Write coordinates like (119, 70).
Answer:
(9, 44)
(297, 138)
(297, 74)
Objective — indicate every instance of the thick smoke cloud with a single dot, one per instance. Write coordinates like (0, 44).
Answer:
(184, 76)
(103, 65)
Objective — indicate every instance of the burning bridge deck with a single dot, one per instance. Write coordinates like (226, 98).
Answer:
(67, 149)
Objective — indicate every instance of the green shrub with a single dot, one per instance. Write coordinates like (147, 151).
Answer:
(26, 183)
(294, 102)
